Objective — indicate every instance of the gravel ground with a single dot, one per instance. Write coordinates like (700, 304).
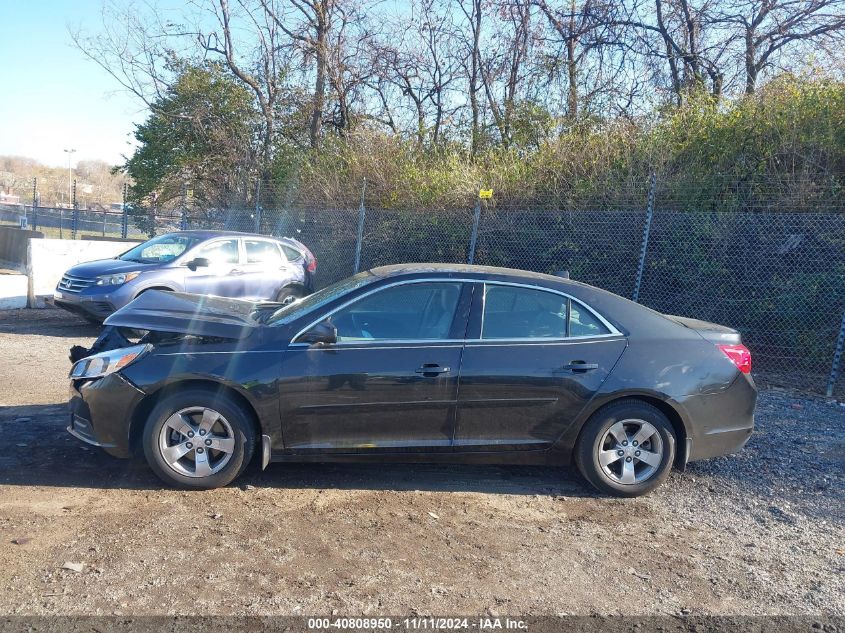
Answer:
(760, 532)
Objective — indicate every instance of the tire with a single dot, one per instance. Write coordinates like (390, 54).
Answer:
(228, 430)
(92, 319)
(289, 294)
(629, 474)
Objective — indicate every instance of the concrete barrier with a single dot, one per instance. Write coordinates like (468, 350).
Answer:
(13, 246)
(47, 261)
(13, 291)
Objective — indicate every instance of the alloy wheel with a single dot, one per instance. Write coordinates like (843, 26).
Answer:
(630, 451)
(196, 442)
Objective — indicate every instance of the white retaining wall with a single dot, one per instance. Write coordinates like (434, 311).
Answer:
(13, 291)
(47, 261)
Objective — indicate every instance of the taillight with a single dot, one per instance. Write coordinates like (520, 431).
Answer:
(312, 265)
(739, 355)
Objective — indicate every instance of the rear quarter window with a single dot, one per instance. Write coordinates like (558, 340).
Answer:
(582, 322)
(291, 253)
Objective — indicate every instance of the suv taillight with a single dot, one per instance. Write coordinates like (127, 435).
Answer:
(739, 355)
(312, 265)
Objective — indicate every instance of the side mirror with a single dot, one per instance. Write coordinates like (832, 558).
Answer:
(198, 262)
(324, 333)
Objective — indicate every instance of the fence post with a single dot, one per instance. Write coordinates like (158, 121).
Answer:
(35, 204)
(74, 216)
(124, 220)
(61, 223)
(362, 212)
(646, 230)
(258, 206)
(152, 214)
(837, 358)
(473, 238)
(183, 217)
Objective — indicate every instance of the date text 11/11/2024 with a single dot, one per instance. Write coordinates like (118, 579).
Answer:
(418, 623)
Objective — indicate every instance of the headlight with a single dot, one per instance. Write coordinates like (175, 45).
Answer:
(116, 280)
(108, 362)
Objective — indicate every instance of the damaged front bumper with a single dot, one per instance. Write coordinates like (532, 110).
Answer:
(101, 411)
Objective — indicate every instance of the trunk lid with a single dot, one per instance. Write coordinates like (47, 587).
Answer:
(713, 332)
(182, 313)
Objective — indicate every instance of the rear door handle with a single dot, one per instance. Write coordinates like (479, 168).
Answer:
(431, 370)
(580, 365)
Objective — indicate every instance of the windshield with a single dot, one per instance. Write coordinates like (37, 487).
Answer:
(160, 249)
(321, 297)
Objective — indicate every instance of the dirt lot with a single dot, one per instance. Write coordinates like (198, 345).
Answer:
(762, 532)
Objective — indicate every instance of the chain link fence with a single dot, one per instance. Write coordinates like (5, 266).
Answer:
(764, 256)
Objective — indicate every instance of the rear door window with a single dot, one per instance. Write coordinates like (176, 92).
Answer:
(516, 312)
(220, 252)
(263, 252)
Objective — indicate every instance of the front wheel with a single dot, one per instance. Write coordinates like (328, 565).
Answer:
(626, 449)
(289, 295)
(198, 439)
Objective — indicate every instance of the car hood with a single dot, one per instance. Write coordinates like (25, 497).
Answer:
(89, 270)
(183, 313)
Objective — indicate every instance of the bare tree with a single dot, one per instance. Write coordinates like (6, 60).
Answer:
(504, 68)
(266, 85)
(593, 47)
(687, 37)
(473, 16)
(771, 28)
(309, 23)
(348, 69)
(420, 63)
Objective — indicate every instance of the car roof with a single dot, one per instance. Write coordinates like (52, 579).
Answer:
(466, 269)
(208, 234)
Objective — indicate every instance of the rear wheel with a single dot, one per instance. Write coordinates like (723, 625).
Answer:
(289, 294)
(198, 439)
(626, 449)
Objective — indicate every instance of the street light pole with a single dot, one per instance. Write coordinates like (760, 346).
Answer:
(69, 153)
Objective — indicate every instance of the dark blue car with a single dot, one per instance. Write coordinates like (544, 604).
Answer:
(220, 263)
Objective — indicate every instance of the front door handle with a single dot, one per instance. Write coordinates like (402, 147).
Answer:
(580, 365)
(431, 370)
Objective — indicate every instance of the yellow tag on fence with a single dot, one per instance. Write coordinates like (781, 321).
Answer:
(485, 194)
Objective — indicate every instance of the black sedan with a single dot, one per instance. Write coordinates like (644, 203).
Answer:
(416, 362)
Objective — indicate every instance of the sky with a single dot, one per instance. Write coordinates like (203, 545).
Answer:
(52, 97)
